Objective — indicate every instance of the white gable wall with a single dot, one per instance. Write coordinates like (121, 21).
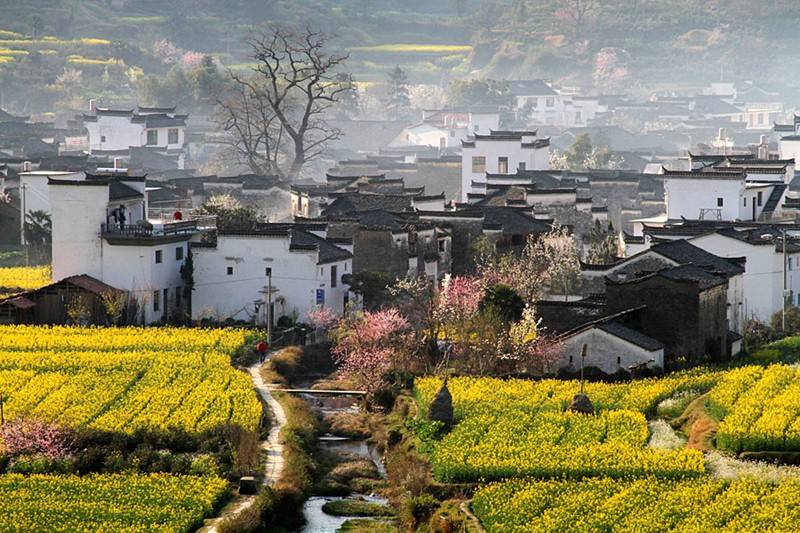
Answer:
(295, 275)
(607, 352)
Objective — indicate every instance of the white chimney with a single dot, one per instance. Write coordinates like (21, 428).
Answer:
(92, 105)
(763, 148)
(26, 166)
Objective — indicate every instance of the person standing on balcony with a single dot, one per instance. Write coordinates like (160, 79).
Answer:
(121, 216)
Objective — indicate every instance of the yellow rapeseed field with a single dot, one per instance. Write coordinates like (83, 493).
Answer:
(647, 504)
(18, 279)
(124, 379)
(515, 428)
(117, 502)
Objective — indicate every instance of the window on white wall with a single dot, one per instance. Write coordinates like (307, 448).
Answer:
(152, 137)
(502, 165)
(719, 202)
(159, 256)
(478, 163)
(229, 271)
(156, 300)
(172, 136)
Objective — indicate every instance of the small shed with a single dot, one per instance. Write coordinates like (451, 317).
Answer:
(50, 304)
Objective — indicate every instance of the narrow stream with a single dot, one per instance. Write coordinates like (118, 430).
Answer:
(317, 521)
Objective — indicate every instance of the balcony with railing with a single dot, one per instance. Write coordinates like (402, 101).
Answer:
(158, 230)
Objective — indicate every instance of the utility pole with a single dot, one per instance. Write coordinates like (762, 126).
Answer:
(2, 412)
(783, 306)
(269, 307)
(24, 188)
(583, 358)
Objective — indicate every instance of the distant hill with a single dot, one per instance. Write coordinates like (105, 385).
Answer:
(610, 46)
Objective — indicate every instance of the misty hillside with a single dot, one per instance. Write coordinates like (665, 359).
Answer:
(598, 45)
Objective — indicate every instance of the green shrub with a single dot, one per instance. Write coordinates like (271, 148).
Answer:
(416, 510)
(356, 508)
(204, 465)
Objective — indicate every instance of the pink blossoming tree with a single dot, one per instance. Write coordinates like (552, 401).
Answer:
(34, 437)
(366, 344)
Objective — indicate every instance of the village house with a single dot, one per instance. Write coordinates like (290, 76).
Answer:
(445, 128)
(725, 193)
(500, 152)
(760, 245)
(234, 273)
(671, 254)
(120, 131)
(539, 104)
(612, 346)
(685, 309)
(101, 229)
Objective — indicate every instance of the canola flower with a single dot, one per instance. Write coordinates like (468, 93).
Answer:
(125, 379)
(647, 504)
(99, 502)
(518, 428)
(759, 408)
(18, 279)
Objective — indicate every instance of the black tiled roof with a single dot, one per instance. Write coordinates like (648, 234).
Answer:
(513, 221)
(631, 335)
(120, 191)
(354, 203)
(692, 273)
(328, 252)
(530, 88)
(685, 253)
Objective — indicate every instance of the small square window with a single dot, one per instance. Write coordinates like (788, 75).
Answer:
(479, 164)
(152, 137)
(102, 138)
(229, 270)
(268, 271)
(179, 253)
(719, 202)
(159, 256)
(172, 136)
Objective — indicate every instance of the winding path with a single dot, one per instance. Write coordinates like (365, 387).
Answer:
(272, 448)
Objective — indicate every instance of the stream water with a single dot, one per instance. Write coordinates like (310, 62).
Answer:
(317, 521)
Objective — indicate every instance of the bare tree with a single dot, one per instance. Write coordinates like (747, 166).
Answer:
(255, 136)
(296, 81)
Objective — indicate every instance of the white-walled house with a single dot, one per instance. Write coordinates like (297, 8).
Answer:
(117, 130)
(306, 270)
(674, 253)
(34, 191)
(724, 194)
(501, 152)
(445, 128)
(612, 347)
(100, 229)
(762, 281)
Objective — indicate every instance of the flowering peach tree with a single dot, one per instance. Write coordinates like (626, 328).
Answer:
(366, 344)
